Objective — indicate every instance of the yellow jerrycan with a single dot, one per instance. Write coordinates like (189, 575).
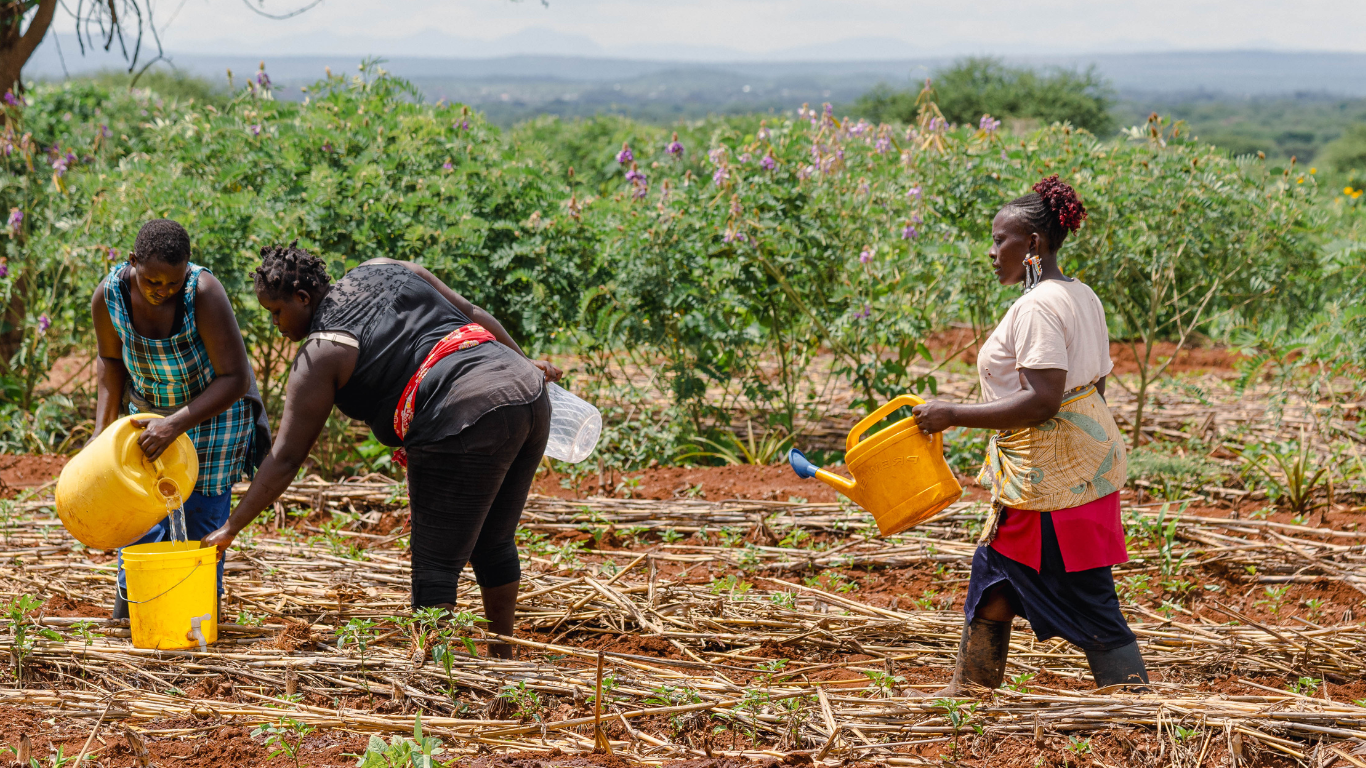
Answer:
(900, 475)
(110, 494)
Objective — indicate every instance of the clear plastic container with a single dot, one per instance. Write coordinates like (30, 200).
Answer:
(574, 426)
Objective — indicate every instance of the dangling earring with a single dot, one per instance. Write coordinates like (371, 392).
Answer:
(1033, 271)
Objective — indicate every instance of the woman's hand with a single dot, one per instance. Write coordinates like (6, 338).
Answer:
(552, 374)
(935, 416)
(221, 538)
(158, 434)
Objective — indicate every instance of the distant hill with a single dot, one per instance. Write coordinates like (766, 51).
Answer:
(1283, 103)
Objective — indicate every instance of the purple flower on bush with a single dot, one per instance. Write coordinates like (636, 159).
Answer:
(883, 144)
(863, 187)
(446, 166)
(634, 176)
(721, 175)
(262, 79)
(763, 134)
(865, 313)
(1004, 156)
(768, 163)
(866, 256)
(43, 324)
(14, 101)
(909, 232)
(675, 147)
(913, 192)
(4, 269)
(732, 236)
(625, 155)
(464, 125)
(744, 157)
(16, 220)
(105, 132)
(327, 146)
(988, 125)
(717, 156)
(254, 130)
(805, 172)
(113, 254)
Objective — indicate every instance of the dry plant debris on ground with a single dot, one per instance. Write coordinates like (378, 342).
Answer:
(729, 630)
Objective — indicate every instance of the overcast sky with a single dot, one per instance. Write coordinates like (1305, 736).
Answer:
(810, 29)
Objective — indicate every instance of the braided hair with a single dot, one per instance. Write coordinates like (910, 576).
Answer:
(287, 269)
(1052, 209)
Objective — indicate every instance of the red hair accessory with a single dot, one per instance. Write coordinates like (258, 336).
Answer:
(1063, 201)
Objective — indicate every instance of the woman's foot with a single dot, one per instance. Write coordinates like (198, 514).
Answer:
(1118, 666)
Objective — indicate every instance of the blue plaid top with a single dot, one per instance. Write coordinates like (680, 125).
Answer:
(169, 373)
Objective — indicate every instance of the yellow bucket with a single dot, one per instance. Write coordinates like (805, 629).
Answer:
(172, 594)
(110, 494)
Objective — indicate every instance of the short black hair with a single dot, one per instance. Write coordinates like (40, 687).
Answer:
(285, 269)
(164, 240)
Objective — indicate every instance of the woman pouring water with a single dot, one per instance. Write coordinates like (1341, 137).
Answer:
(435, 377)
(1055, 464)
(169, 344)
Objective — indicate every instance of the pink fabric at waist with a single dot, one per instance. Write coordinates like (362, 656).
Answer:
(1089, 536)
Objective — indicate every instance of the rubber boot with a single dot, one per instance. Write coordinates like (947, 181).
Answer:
(1123, 665)
(981, 656)
(120, 610)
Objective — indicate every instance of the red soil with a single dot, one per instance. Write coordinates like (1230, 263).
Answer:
(773, 483)
(1202, 359)
(24, 471)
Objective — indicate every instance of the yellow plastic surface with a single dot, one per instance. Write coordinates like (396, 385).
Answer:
(109, 494)
(169, 584)
(900, 475)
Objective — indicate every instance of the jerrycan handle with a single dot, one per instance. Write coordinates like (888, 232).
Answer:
(876, 416)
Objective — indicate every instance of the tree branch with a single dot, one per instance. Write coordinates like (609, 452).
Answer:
(281, 16)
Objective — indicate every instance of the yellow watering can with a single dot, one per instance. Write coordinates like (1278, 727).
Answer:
(110, 493)
(900, 475)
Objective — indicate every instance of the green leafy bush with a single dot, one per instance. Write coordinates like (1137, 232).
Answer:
(976, 86)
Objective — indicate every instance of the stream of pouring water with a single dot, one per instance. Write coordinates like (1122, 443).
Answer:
(175, 513)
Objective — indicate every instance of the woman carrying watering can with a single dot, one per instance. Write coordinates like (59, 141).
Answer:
(1055, 464)
(168, 341)
(434, 376)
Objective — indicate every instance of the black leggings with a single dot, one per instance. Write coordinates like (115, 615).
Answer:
(467, 493)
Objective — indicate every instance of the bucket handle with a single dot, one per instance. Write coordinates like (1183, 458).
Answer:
(125, 597)
(881, 413)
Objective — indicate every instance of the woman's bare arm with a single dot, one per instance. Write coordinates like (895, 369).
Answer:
(321, 368)
(110, 373)
(1038, 402)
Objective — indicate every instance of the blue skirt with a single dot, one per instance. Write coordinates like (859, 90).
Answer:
(1080, 607)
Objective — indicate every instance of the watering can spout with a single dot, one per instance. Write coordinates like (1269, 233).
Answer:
(801, 465)
(805, 469)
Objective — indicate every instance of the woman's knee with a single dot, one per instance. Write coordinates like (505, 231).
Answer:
(496, 565)
(995, 605)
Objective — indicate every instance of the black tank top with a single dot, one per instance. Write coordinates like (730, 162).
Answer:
(397, 317)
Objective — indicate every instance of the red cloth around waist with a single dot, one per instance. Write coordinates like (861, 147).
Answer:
(1089, 536)
(464, 337)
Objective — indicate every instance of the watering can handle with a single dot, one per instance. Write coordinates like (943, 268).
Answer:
(881, 413)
